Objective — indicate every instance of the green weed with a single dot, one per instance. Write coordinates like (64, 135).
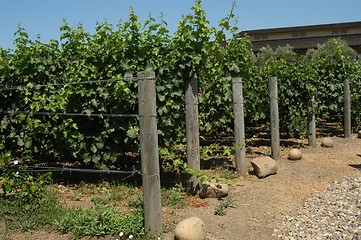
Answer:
(97, 200)
(26, 216)
(99, 221)
(19, 211)
(223, 205)
(172, 197)
(228, 174)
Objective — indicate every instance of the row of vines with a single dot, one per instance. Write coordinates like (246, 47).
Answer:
(115, 51)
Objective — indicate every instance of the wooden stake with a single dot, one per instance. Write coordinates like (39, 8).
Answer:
(347, 109)
(239, 132)
(149, 153)
(193, 156)
(275, 133)
(311, 123)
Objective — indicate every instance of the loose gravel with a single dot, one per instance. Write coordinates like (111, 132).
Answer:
(332, 214)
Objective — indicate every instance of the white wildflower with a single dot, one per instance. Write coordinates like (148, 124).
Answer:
(130, 236)
(16, 162)
(121, 234)
(17, 173)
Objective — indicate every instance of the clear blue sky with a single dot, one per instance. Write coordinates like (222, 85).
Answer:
(44, 17)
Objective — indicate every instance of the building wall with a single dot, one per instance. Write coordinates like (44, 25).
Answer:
(304, 34)
(305, 37)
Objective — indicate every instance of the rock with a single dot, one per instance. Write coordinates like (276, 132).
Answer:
(264, 166)
(295, 154)
(192, 228)
(327, 142)
(213, 190)
(359, 134)
(62, 189)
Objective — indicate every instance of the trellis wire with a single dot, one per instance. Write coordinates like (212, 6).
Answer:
(148, 145)
(65, 169)
(39, 169)
(70, 114)
(71, 83)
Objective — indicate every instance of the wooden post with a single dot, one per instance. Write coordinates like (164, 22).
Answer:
(239, 133)
(347, 109)
(149, 153)
(193, 156)
(275, 132)
(311, 123)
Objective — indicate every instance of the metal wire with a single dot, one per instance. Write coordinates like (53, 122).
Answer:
(59, 84)
(75, 83)
(70, 114)
(35, 169)
(65, 169)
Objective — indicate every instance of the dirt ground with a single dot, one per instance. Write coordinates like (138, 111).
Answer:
(258, 203)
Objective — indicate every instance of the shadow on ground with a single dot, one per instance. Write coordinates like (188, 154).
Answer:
(357, 166)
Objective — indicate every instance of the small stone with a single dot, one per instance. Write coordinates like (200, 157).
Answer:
(295, 154)
(359, 134)
(264, 166)
(213, 190)
(192, 228)
(303, 234)
(61, 188)
(327, 142)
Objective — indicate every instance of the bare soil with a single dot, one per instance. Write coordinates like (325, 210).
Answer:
(258, 203)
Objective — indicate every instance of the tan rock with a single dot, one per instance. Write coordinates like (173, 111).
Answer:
(264, 166)
(192, 228)
(327, 142)
(213, 190)
(295, 154)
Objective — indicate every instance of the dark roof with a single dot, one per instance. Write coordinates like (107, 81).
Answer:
(302, 28)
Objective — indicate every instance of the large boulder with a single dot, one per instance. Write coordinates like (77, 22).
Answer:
(295, 154)
(192, 228)
(264, 166)
(213, 190)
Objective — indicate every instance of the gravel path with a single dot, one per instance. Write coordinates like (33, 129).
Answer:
(332, 214)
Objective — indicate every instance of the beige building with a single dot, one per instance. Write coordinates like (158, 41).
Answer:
(305, 37)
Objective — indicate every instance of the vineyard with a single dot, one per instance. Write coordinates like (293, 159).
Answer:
(44, 121)
(115, 52)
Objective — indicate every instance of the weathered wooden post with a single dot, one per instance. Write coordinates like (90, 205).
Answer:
(311, 123)
(149, 152)
(275, 133)
(347, 108)
(192, 131)
(239, 132)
